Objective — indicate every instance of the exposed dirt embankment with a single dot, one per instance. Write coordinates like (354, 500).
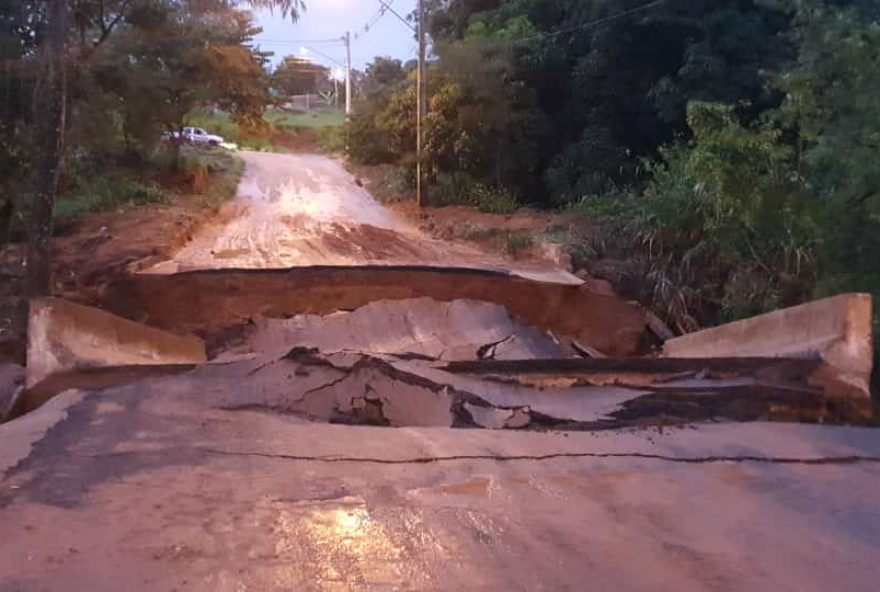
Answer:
(97, 250)
(209, 302)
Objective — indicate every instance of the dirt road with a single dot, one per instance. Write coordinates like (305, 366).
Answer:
(301, 210)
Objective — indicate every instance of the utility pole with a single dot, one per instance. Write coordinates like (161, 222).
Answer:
(422, 110)
(347, 73)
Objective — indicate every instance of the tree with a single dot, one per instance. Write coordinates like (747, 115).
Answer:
(299, 76)
(383, 76)
(578, 91)
(831, 111)
(171, 59)
(51, 106)
(59, 42)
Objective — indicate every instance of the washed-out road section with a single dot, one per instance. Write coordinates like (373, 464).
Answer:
(227, 476)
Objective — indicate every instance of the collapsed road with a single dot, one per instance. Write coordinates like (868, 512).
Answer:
(314, 395)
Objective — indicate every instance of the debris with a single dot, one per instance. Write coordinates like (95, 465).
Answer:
(837, 330)
(66, 336)
(457, 330)
(214, 300)
(497, 419)
(586, 351)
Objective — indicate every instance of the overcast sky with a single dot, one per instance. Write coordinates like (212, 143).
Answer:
(329, 19)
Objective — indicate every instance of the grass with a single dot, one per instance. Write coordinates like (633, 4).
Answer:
(323, 127)
(122, 188)
(313, 120)
(108, 192)
(224, 171)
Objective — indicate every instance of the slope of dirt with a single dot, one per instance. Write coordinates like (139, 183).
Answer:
(95, 251)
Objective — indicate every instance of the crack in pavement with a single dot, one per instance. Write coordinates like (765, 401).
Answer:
(839, 460)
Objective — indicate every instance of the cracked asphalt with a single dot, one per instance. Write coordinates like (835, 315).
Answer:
(143, 488)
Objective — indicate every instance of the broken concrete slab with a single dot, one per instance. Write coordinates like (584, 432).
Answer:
(66, 336)
(208, 302)
(88, 379)
(838, 330)
(497, 419)
(12, 377)
(18, 437)
(457, 330)
(356, 388)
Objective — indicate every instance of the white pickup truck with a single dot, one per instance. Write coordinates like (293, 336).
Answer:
(197, 136)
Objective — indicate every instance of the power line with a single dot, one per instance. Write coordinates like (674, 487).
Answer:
(588, 25)
(383, 10)
(325, 56)
(387, 6)
(337, 41)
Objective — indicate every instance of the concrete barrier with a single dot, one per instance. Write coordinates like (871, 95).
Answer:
(64, 336)
(837, 330)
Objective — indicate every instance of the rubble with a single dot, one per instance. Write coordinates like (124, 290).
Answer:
(68, 342)
(420, 362)
(836, 330)
(572, 394)
(457, 330)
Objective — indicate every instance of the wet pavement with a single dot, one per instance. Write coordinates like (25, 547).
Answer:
(134, 489)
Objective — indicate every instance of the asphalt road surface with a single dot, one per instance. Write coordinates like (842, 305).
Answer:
(160, 487)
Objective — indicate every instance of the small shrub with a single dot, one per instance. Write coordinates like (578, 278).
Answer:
(516, 242)
(331, 140)
(461, 189)
(103, 193)
(493, 200)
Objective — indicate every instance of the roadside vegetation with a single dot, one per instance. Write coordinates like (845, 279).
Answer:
(728, 150)
(210, 175)
(93, 95)
(279, 129)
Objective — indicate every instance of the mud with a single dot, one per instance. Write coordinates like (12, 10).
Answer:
(306, 210)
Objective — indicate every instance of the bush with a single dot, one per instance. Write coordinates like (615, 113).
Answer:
(721, 227)
(493, 200)
(461, 189)
(103, 193)
(331, 140)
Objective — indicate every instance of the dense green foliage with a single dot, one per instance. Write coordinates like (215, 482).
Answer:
(729, 148)
(550, 101)
(745, 218)
(134, 69)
